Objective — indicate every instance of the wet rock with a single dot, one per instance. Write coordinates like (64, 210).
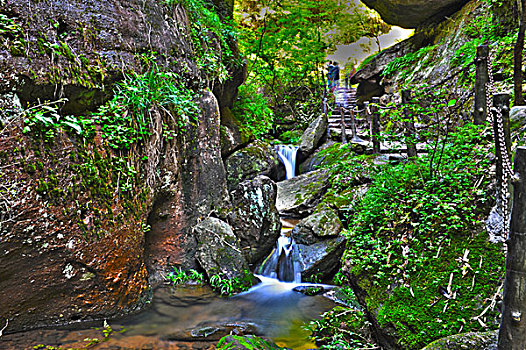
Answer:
(213, 331)
(323, 223)
(193, 185)
(248, 342)
(414, 13)
(466, 341)
(315, 159)
(297, 197)
(312, 137)
(517, 116)
(321, 260)
(255, 218)
(311, 290)
(233, 135)
(218, 249)
(258, 158)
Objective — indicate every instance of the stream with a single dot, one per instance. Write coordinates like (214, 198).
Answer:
(194, 317)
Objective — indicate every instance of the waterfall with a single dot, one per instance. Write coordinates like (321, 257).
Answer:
(287, 154)
(283, 263)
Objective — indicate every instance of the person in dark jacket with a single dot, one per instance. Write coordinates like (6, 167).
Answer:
(336, 75)
(330, 73)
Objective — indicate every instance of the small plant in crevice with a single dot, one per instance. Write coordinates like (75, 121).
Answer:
(126, 119)
(179, 276)
(44, 120)
(210, 37)
(229, 286)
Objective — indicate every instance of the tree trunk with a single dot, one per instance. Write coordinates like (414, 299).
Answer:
(512, 334)
(518, 99)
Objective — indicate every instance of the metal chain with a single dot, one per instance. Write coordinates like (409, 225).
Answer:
(498, 136)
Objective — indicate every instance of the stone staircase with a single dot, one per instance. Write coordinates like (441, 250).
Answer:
(345, 101)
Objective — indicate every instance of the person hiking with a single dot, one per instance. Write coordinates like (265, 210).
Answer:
(336, 75)
(330, 73)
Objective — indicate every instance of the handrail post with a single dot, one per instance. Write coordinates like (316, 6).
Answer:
(481, 79)
(410, 132)
(513, 326)
(342, 116)
(375, 124)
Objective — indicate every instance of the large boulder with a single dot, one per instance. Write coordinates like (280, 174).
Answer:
(255, 218)
(311, 138)
(258, 158)
(316, 159)
(297, 197)
(193, 186)
(218, 250)
(321, 260)
(414, 13)
(322, 224)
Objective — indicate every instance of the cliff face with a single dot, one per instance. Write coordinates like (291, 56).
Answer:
(85, 225)
(414, 13)
(438, 50)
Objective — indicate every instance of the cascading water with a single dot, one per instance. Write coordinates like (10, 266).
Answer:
(287, 154)
(284, 263)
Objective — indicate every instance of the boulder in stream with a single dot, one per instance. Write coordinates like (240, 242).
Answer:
(218, 249)
(322, 224)
(312, 137)
(297, 197)
(321, 260)
(258, 158)
(255, 218)
(211, 331)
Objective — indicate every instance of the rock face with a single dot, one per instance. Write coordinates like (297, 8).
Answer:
(315, 159)
(75, 211)
(369, 77)
(193, 186)
(218, 250)
(311, 138)
(83, 46)
(251, 161)
(414, 13)
(297, 197)
(255, 218)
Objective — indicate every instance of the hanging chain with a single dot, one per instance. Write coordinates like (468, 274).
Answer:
(500, 142)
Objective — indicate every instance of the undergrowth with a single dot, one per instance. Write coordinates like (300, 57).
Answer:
(416, 246)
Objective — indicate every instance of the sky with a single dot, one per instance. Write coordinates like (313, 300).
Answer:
(356, 51)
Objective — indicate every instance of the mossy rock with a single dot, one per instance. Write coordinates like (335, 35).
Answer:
(466, 341)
